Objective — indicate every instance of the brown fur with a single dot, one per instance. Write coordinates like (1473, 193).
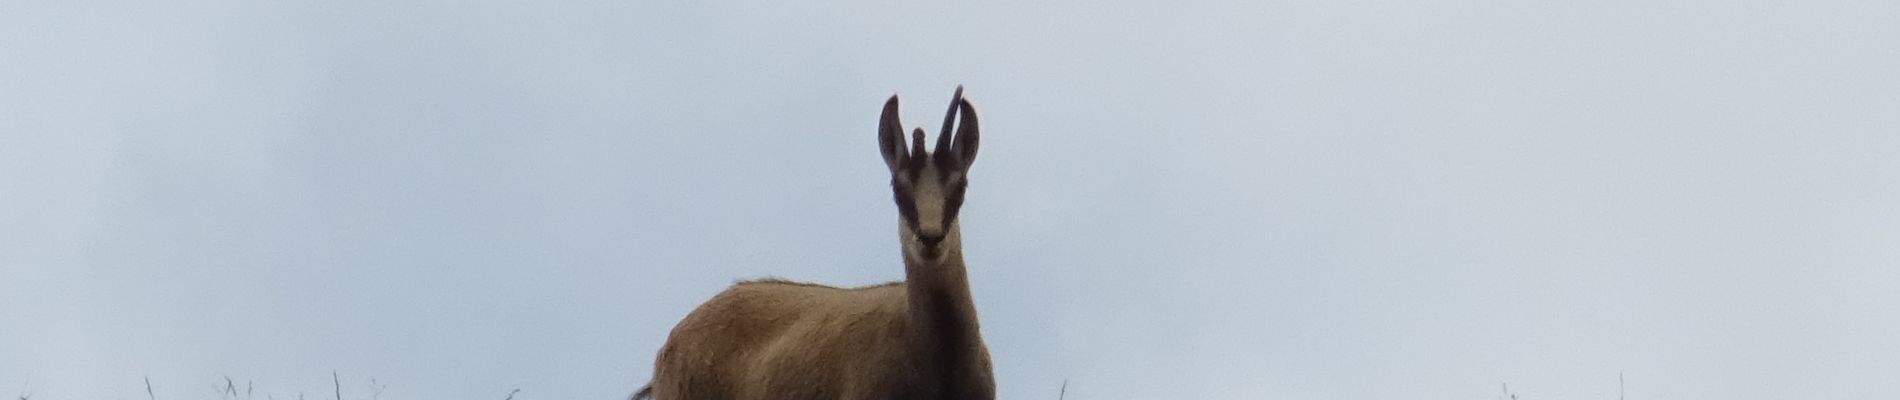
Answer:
(915, 339)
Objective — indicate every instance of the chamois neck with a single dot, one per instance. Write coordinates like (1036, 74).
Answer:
(942, 281)
(942, 315)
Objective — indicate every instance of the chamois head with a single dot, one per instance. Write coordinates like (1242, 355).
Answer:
(929, 185)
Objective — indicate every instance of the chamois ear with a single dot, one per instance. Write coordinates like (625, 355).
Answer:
(965, 145)
(890, 136)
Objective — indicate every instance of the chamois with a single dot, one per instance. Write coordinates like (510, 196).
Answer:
(913, 339)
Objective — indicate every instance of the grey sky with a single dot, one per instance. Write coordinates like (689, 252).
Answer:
(1245, 200)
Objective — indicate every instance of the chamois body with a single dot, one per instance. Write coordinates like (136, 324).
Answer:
(914, 339)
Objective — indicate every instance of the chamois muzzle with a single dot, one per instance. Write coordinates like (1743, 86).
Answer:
(931, 240)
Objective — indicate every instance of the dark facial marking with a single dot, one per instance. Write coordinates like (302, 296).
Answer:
(906, 205)
(953, 201)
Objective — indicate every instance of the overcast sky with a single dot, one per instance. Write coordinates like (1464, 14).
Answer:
(1244, 200)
